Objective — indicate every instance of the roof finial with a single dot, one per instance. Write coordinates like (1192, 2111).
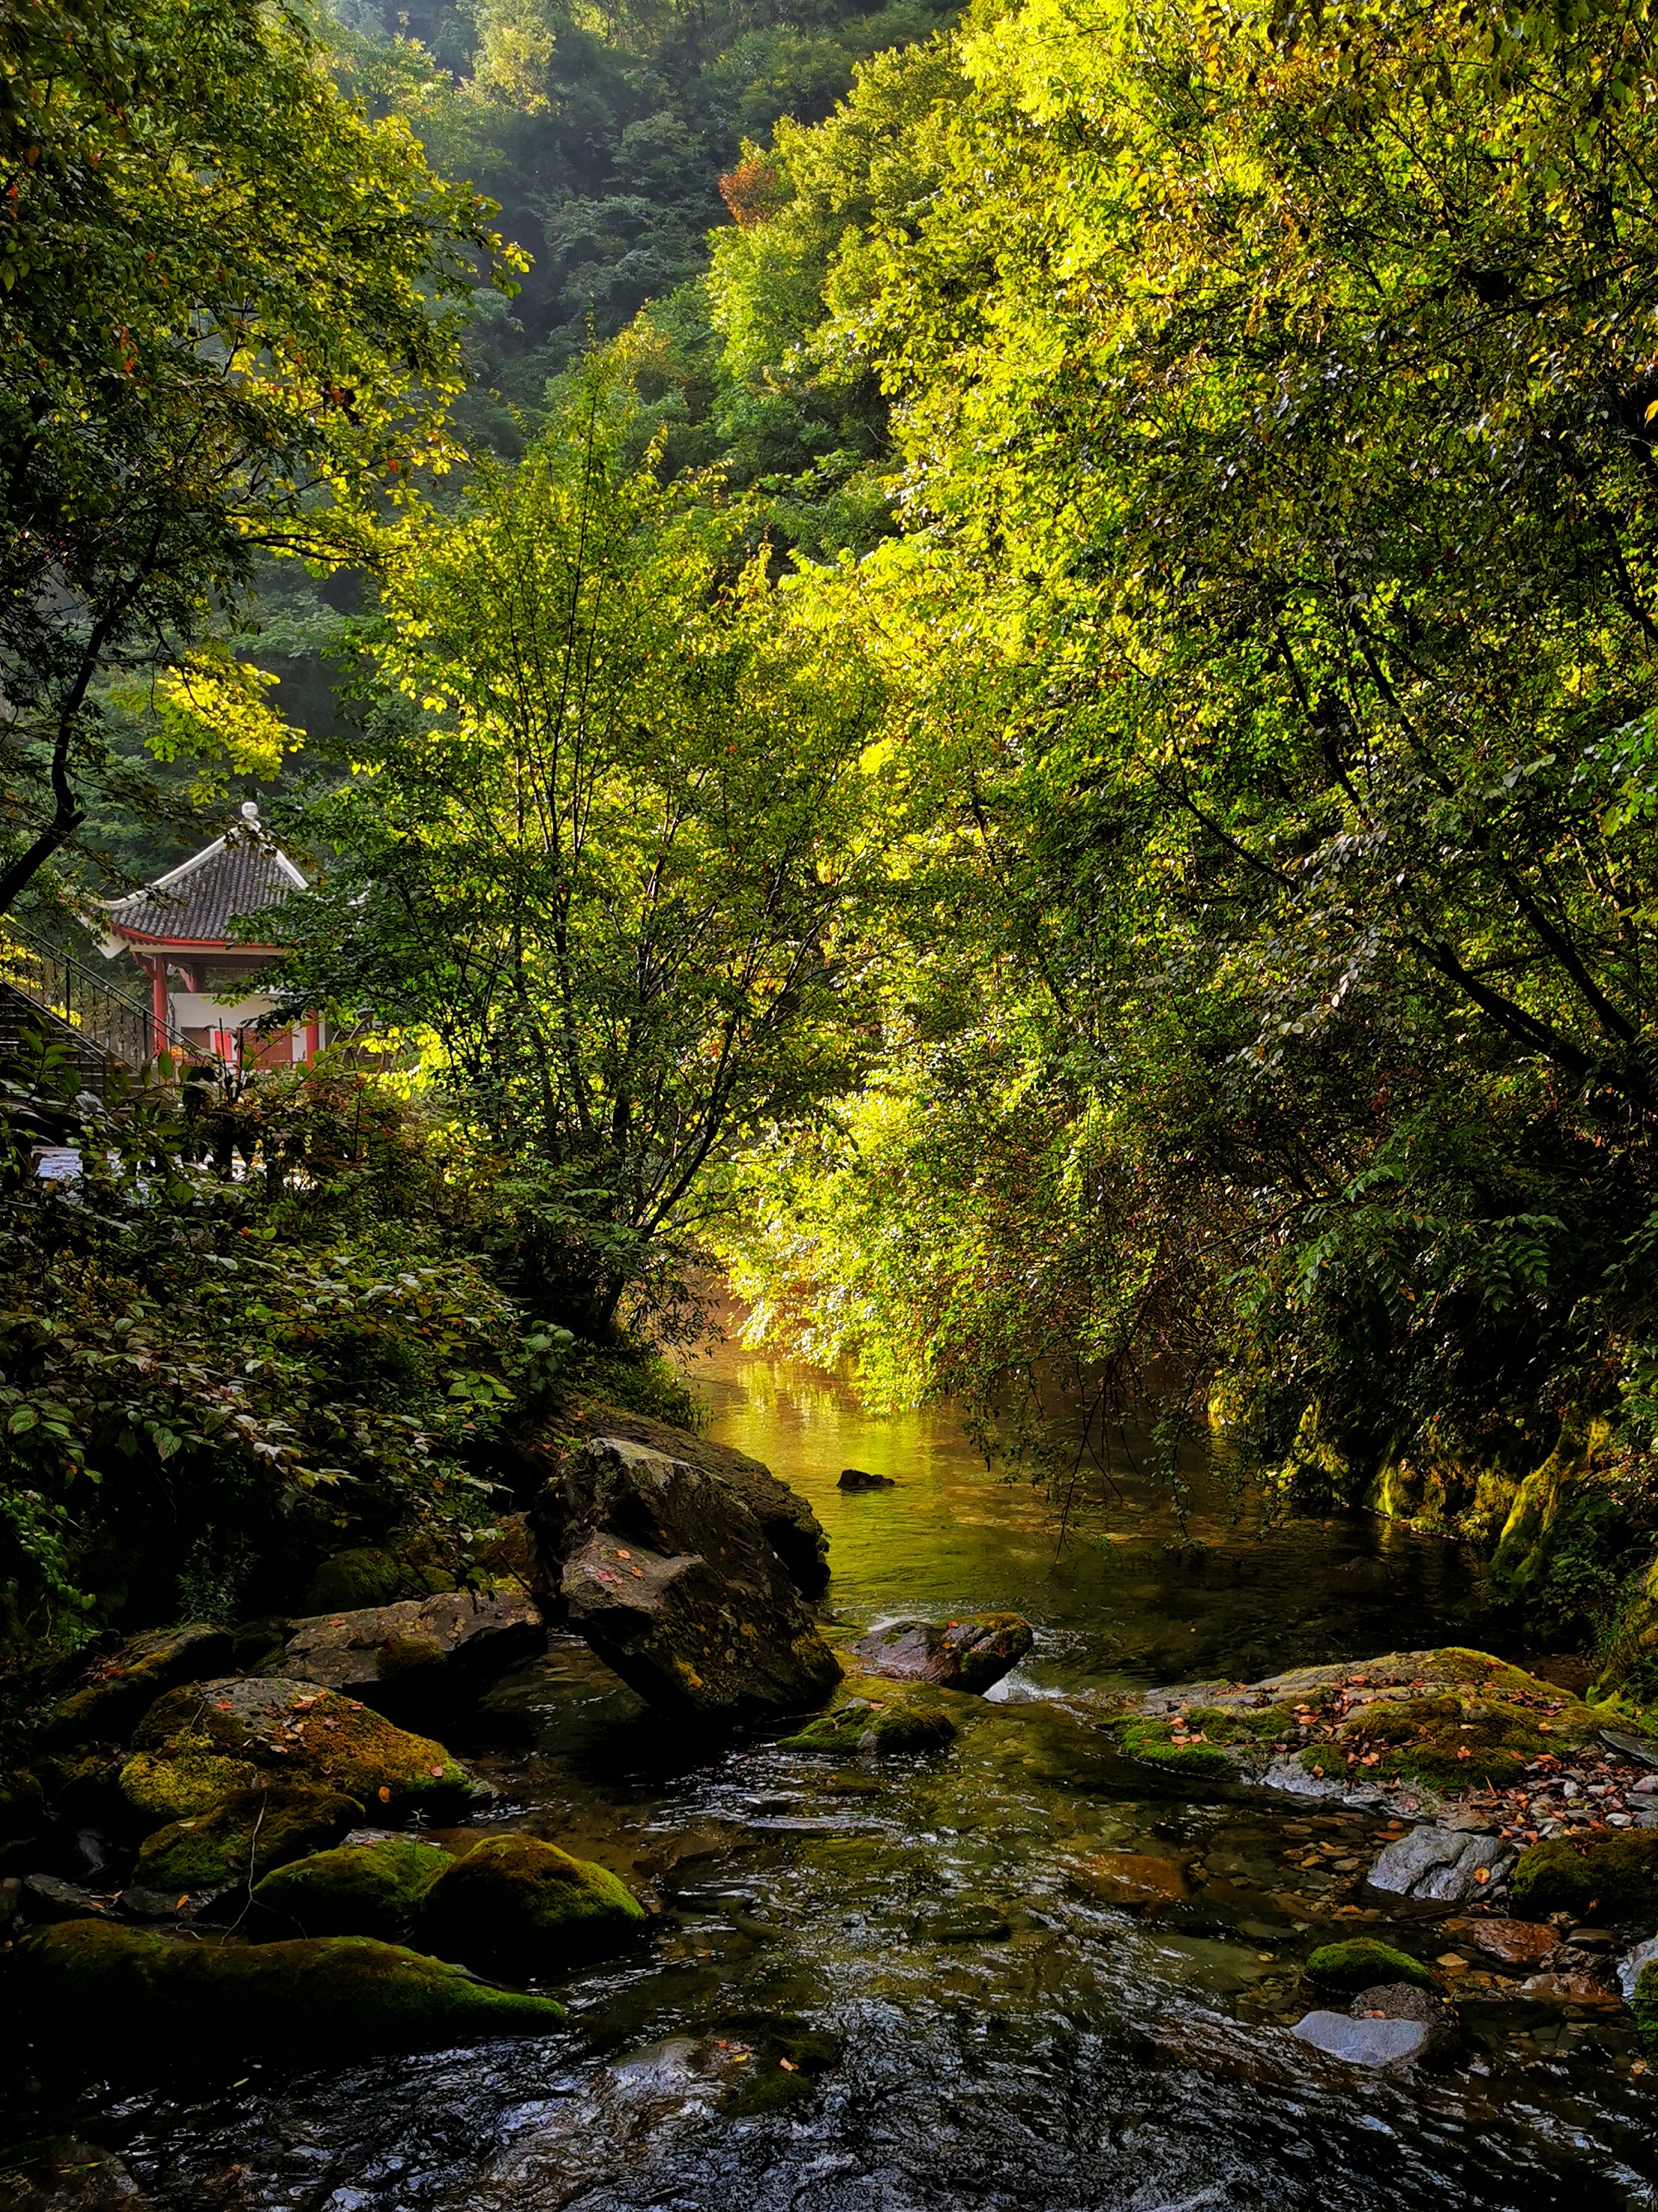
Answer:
(250, 811)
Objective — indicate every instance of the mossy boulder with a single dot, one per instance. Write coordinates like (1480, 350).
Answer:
(123, 1689)
(185, 1781)
(882, 1731)
(376, 1575)
(252, 1831)
(360, 1889)
(1363, 1963)
(1617, 1877)
(521, 1908)
(1457, 1738)
(970, 1654)
(300, 1728)
(1154, 1742)
(134, 2002)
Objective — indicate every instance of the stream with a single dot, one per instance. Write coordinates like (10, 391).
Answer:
(878, 1990)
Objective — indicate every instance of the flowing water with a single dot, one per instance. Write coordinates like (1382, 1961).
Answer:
(881, 1990)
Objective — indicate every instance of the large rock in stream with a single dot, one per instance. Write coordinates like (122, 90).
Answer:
(422, 1661)
(971, 1654)
(138, 2003)
(675, 1583)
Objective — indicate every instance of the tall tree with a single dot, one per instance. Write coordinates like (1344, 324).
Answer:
(230, 315)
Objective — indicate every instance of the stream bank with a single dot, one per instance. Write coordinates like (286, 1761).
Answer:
(966, 2022)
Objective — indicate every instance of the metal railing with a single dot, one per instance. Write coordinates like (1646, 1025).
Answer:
(119, 1028)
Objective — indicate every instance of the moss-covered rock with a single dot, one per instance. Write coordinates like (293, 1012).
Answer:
(1617, 1877)
(251, 1832)
(360, 1889)
(121, 1689)
(1454, 1738)
(1154, 1742)
(185, 1781)
(1363, 1963)
(376, 1575)
(300, 1728)
(134, 2002)
(521, 1908)
(22, 1806)
(886, 1730)
(1644, 2004)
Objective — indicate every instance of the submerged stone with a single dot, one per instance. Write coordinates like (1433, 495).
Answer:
(359, 1889)
(971, 1654)
(1378, 2043)
(245, 1837)
(880, 1731)
(522, 1908)
(125, 1687)
(1129, 1878)
(1617, 1876)
(1515, 1943)
(135, 2001)
(300, 1728)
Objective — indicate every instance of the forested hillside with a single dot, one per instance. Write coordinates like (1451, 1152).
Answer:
(1002, 678)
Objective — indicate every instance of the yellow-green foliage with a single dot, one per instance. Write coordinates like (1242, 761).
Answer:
(519, 1907)
(136, 2001)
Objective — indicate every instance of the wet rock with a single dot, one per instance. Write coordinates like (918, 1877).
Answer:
(971, 1654)
(426, 1659)
(520, 1908)
(251, 1727)
(360, 1889)
(1363, 1963)
(674, 1584)
(1378, 2043)
(1515, 1943)
(786, 1522)
(1568, 1989)
(884, 1731)
(1440, 1863)
(172, 1907)
(22, 1807)
(245, 1837)
(135, 2001)
(370, 1575)
(1617, 1875)
(127, 1685)
(1633, 1964)
(91, 1853)
(1406, 2001)
(45, 1898)
(1129, 1878)
(1641, 1750)
(856, 1478)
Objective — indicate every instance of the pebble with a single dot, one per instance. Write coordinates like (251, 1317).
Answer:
(1364, 2042)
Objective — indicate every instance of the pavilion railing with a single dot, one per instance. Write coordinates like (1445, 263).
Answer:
(117, 1027)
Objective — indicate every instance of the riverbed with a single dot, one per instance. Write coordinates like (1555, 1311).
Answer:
(884, 1990)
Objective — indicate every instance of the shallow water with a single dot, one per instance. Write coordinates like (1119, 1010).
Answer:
(962, 2026)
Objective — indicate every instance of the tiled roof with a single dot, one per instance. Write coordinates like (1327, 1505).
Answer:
(242, 873)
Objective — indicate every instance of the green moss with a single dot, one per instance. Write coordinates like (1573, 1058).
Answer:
(1455, 1739)
(1618, 1877)
(1645, 2005)
(362, 1889)
(252, 1830)
(519, 1907)
(294, 1727)
(1251, 1725)
(185, 1781)
(1363, 1963)
(891, 1728)
(374, 1576)
(1153, 1740)
(134, 2002)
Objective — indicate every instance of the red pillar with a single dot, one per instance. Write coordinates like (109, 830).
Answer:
(158, 1000)
(313, 1039)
